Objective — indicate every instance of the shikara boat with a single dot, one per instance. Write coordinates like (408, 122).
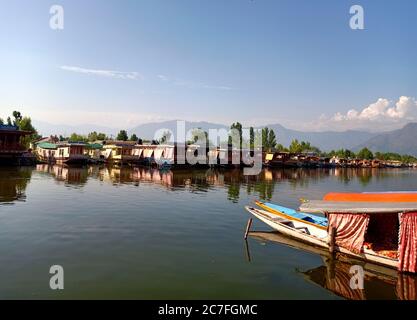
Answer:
(379, 232)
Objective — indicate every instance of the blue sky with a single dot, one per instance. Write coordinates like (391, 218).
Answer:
(291, 62)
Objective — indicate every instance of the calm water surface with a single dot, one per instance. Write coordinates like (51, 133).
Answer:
(145, 234)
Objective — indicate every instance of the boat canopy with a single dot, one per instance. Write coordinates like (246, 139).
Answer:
(318, 206)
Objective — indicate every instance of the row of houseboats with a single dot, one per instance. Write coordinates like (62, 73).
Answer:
(129, 152)
(311, 160)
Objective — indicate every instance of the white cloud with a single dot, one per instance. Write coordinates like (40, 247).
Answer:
(383, 114)
(374, 111)
(104, 73)
(405, 108)
(162, 77)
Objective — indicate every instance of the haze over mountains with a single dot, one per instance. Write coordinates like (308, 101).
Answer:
(402, 141)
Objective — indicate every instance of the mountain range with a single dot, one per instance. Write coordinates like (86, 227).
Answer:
(402, 141)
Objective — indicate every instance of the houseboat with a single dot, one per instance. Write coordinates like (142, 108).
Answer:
(94, 152)
(12, 151)
(145, 154)
(119, 152)
(277, 159)
(162, 156)
(393, 164)
(338, 162)
(62, 152)
(374, 227)
(233, 158)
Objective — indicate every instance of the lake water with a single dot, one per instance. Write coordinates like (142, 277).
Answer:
(145, 234)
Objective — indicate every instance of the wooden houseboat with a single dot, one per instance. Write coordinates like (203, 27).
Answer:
(62, 152)
(12, 151)
(156, 155)
(94, 152)
(393, 164)
(119, 152)
(277, 159)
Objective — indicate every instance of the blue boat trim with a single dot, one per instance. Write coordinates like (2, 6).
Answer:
(322, 221)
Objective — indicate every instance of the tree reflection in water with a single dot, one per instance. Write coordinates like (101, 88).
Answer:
(13, 181)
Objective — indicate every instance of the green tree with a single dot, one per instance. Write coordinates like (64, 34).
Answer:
(1, 121)
(342, 153)
(251, 137)
(94, 136)
(24, 124)
(166, 137)
(78, 138)
(17, 118)
(279, 147)
(365, 153)
(236, 135)
(134, 137)
(272, 139)
(265, 136)
(9, 121)
(122, 135)
(295, 146)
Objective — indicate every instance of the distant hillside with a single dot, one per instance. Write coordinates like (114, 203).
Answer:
(324, 140)
(403, 141)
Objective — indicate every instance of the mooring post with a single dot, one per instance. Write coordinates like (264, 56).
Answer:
(332, 239)
(248, 228)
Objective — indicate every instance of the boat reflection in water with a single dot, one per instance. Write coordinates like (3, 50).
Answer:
(69, 175)
(335, 273)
